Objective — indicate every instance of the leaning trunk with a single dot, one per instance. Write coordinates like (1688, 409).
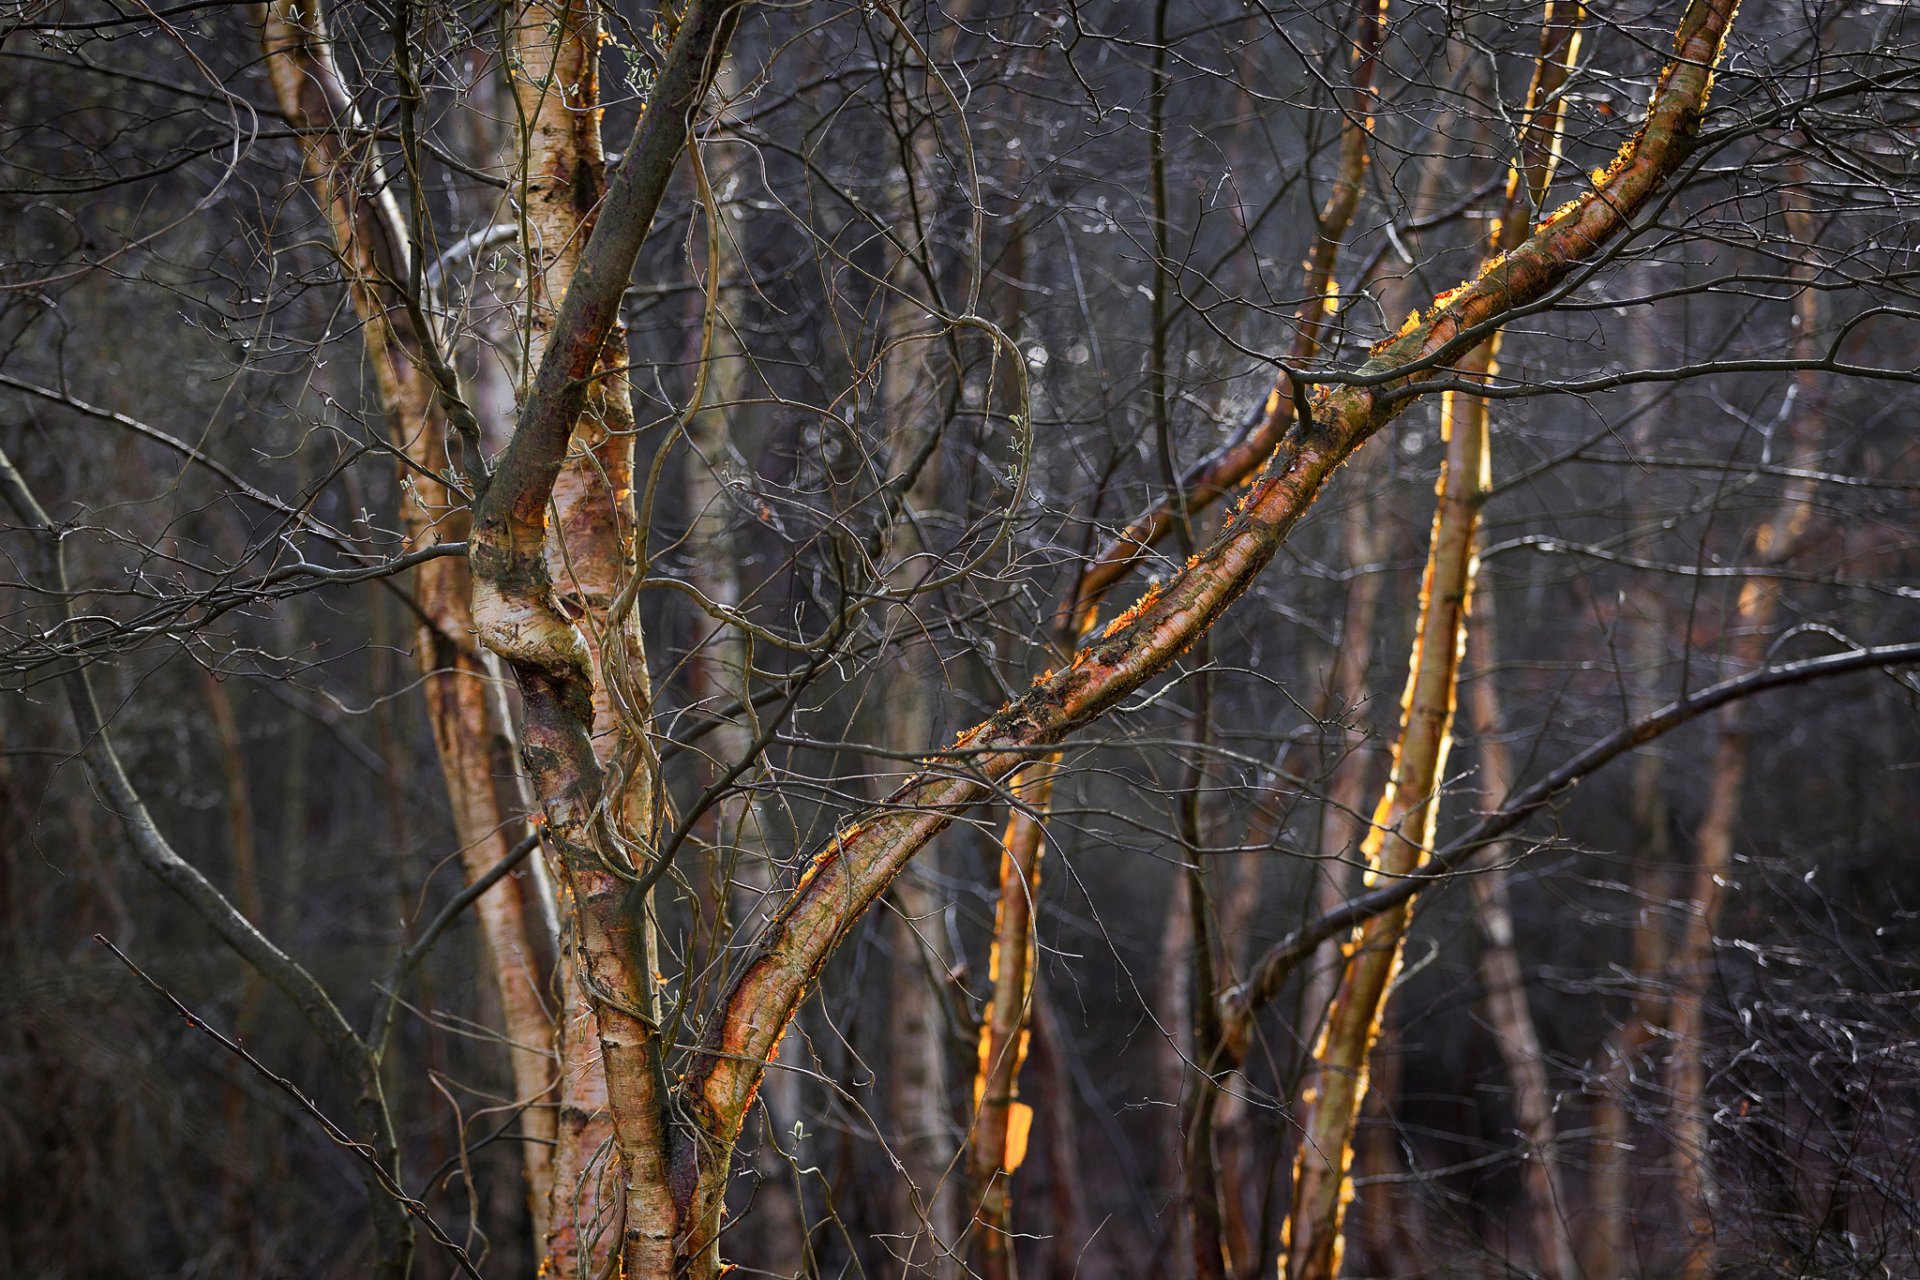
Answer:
(1402, 833)
(464, 704)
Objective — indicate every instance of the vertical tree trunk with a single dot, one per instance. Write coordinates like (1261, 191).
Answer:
(1198, 1092)
(1509, 1015)
(1343, 823)
(1402, 833)
(1001, 1120)
(1404, 821)
(1241, 1170)
(464, 704)
(555, 598)
(1606, 1242)
(927, 1207)
(1749, 631)
(609, 1165)
(1067, 1233)
(1172, 999)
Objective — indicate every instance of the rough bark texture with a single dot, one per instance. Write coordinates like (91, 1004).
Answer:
(554, 600)
(855, 867)
(517, 614)
(464, 703)
(1002, 1121)
(553, 68)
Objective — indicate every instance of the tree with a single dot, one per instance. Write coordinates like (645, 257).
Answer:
(705, 390)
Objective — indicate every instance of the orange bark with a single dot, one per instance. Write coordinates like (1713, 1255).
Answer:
(845, 877)
(1003, 1034)
(518, 616)
(611, 1163)
(1402, 832)
(1403, 823)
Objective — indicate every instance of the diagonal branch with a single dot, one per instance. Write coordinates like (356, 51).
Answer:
(845, 877)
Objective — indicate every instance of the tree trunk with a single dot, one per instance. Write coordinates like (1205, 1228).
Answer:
(927, 1207)
(239, 1170)
(464, 703)
(1193, 490)
(1501, 974)
(1002, 1121)
(555, 598)
(1401, 835)
(1067, 1233)
(516, 617)
(1749, 630)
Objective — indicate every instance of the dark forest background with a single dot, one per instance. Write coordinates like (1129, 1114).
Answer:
(164, 268)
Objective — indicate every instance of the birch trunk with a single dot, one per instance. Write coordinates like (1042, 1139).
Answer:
(928, 1206)
(1404, 821)
(1193, 490)
(465, 706)
(517, 616)
(1401, 835)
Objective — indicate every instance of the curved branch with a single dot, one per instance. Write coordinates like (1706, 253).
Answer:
(845, 877)
(1270, 972)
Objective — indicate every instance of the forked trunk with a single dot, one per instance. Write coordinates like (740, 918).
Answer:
(464, 703)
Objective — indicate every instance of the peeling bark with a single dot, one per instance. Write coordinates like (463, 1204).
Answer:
(555, 599)
(517, 615)
(1401, 835)
(464, 704)
(845, 877)
(1404, 821)
(1199, 487)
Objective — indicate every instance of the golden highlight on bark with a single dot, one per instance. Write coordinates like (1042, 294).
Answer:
(1404, 820)
(1001, 1121)
(1076, 616)
(1401, 835)
(712, 1099)
(851, 875)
